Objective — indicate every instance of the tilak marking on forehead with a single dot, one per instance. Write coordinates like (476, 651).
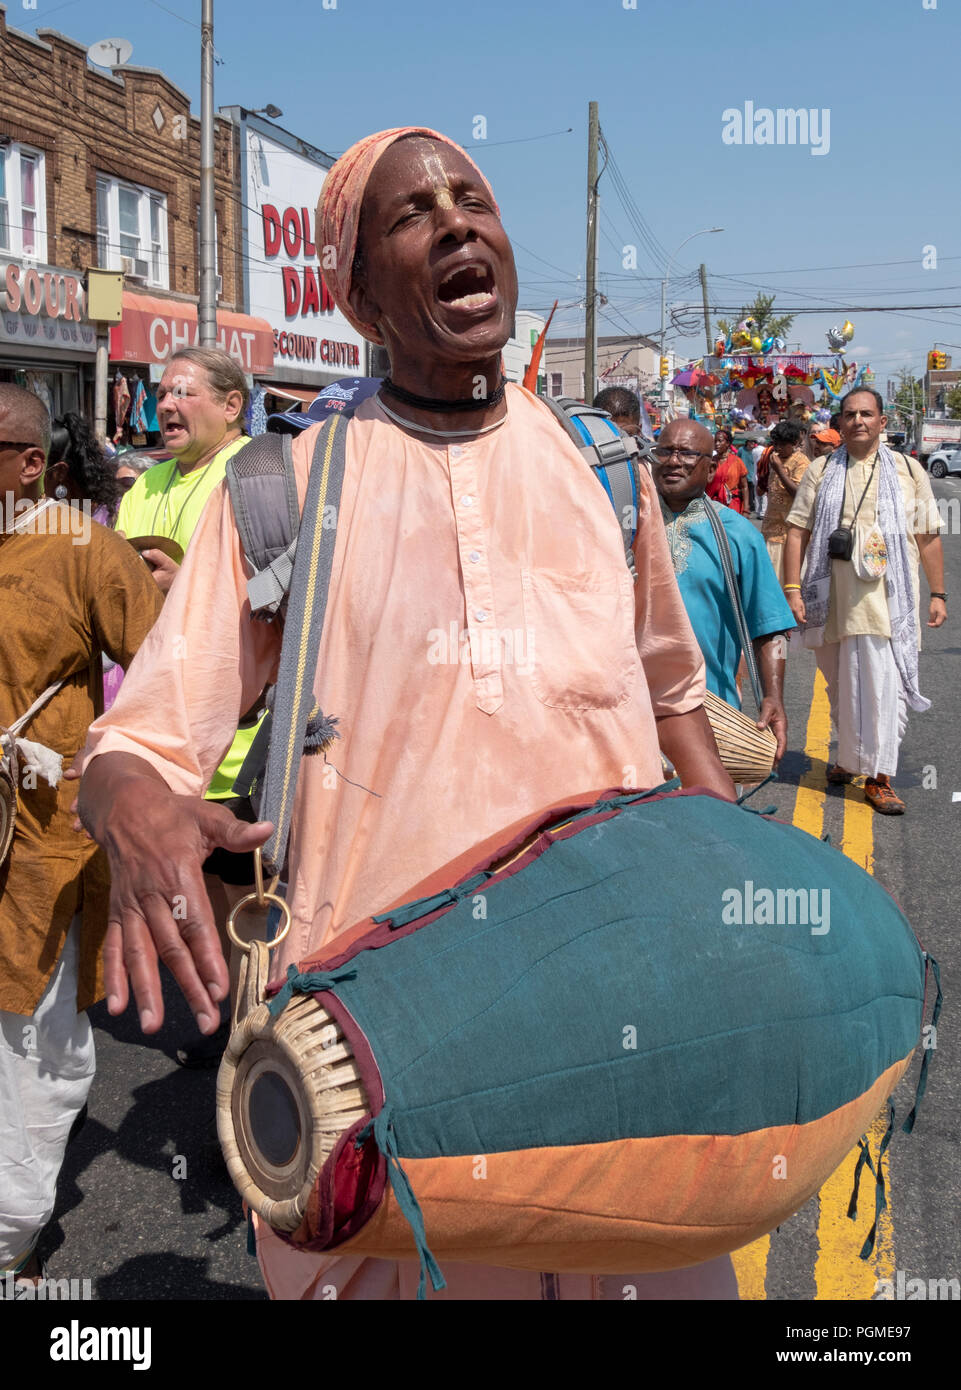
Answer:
(435, 171)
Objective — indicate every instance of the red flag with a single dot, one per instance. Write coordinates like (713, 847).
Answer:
(530, 376)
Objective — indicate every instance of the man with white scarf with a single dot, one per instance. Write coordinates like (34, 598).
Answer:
(863, 518)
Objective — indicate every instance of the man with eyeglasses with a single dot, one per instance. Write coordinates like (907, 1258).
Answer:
(683, 466)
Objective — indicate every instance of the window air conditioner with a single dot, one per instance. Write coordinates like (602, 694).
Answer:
(134, 268)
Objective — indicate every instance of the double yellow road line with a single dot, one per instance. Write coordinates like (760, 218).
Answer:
(839, 1272)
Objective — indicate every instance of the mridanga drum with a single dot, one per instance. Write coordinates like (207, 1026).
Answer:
(746, 751)
(621, 1013)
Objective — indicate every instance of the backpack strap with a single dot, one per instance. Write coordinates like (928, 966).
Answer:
(293, 704)
(263, 493)
(612, 456)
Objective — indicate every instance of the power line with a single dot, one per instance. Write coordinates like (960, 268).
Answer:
(857, 265)
(830, 308)
(523, 140)
(527, 251)
(635, 218)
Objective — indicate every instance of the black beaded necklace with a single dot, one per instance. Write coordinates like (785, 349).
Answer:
(438, 406)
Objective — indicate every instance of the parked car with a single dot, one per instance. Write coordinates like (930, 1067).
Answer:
(944, 461)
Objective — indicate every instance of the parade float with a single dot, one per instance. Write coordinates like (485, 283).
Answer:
(750, 381)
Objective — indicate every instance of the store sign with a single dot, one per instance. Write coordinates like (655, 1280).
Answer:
(301, 347)
(286, 285)
(43, 307)
(153, 330)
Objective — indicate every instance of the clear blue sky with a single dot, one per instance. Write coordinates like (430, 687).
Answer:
(662, 75)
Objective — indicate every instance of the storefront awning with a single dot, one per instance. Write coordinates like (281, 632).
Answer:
(300, 395)
(153, 329)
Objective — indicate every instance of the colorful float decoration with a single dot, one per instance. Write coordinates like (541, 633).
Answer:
(753, 379)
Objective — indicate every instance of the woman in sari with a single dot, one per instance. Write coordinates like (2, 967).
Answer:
(729, 484)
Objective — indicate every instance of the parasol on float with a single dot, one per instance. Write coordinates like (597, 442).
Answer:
(695, 377)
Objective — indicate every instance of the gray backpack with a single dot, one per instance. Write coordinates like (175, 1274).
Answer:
(290, 554)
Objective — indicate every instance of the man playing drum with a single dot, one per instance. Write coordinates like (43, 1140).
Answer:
(485, 650)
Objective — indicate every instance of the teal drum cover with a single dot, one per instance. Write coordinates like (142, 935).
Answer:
(665, 964)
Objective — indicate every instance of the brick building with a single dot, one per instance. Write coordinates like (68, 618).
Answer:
(102, 168)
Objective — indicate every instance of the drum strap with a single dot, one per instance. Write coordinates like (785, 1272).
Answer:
(734, 594)
(293, 702)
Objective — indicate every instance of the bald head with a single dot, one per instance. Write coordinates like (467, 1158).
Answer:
(24, 418)
(24, 446)
(687, 434)
(684, 474)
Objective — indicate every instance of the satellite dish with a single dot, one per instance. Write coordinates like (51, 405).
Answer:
(110, 53)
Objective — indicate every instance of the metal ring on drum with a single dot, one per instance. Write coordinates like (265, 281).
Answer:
(263, 898)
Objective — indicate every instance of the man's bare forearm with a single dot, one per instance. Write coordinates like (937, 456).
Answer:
(795, 549)
(102, 782)
(687, 740)
(932, 558)
(771, 665)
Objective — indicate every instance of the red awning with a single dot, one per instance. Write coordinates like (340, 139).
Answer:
(153, 329)
(300, 395)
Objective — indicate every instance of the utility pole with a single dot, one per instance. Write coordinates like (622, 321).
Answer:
(707, 311)
(663, 393)
(207, 309)
(590, 317)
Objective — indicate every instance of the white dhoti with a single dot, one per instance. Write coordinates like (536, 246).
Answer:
(47, 1063)
(867, 703)
(775, 550)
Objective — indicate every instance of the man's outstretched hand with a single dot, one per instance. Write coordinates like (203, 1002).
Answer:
(156, 843)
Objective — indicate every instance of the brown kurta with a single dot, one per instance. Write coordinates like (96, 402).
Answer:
(62, 603)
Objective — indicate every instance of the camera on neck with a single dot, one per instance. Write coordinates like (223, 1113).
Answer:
(841, 543)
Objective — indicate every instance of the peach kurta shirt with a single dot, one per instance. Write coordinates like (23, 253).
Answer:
(485, 652)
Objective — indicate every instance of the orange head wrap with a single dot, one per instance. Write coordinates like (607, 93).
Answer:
(339, 207)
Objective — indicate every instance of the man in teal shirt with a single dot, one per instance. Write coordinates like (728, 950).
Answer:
(683, 465)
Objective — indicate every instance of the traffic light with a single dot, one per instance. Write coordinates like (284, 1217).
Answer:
(665, 370)
(933, 360)
(942, 361)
